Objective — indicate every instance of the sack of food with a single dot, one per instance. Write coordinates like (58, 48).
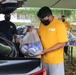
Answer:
(31, 43)
(71, 39)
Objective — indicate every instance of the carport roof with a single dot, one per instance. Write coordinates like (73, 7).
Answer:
(63, 4)
(66, 4)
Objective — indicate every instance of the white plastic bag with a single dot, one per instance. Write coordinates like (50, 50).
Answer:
(31, 43)
(71, 39)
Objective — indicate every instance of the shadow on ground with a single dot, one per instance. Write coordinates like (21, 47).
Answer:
(69, 68)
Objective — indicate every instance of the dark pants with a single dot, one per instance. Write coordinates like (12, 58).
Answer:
(18, 49)
(66, 50)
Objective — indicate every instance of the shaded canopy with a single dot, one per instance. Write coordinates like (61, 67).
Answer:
(9, 7)
(67, 4)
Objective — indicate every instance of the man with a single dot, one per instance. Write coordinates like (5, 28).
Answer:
(69, 28)
(53, 36)
(66, 23)
(8, 29)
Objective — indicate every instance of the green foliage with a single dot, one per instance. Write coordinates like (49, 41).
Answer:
(31, 14)
(74, 29)
(32, 11)
(20, 11)
(56, 11)
(19, 23)
(66, 12)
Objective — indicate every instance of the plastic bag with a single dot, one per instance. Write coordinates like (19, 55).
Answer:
(5, 50)
(31, 43)
(71, 39)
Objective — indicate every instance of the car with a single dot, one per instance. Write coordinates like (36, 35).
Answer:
(19, 66)
(8, 6)
(12, 64)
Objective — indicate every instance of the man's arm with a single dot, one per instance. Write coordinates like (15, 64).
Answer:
(15, 32)
(55, 47)
(15, 38)
(69, 26)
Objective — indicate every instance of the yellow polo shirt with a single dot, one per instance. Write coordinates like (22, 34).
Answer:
(67, 25)
(50, 35)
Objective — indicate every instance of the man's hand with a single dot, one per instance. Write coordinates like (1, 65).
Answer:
(15, 38)
(41, 53)
(55, 47)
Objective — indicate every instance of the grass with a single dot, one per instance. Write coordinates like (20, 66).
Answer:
(74, 51)
(69, 68)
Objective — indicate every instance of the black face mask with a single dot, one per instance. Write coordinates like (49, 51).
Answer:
(45, 22)
(7, 18)
(63, 20)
